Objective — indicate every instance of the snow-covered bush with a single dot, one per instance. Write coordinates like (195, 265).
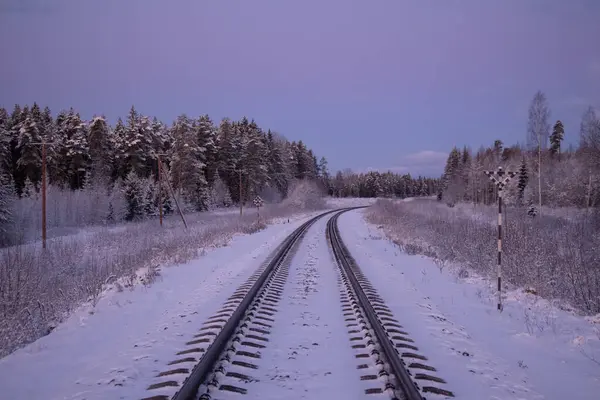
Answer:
(557, 256)
(304, 195)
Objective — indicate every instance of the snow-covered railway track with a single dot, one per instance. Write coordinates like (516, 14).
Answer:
(241, 328)
(387, 355)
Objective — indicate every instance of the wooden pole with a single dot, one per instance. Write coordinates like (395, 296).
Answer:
(176, 202)
(240, 192)
(160, 205)
(43, 195)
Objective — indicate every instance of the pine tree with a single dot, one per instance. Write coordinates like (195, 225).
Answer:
(556, 138)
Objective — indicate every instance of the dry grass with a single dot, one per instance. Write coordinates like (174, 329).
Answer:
(558, 257)
(38, 289)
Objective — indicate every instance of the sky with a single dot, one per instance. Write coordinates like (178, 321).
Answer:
(370, 85)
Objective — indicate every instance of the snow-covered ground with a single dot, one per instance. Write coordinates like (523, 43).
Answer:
(529, 351)
(115, 349)
(340, 202)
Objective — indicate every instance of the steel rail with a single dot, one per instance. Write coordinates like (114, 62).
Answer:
(346, 262)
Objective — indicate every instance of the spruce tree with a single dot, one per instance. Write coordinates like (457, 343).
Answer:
(30, 160)
(556, 138)
(523, 179)
(135, 195)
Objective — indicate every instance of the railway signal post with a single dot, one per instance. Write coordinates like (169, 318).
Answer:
(258, 203)
(500, 179)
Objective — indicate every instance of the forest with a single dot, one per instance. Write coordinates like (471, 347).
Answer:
(98, 173)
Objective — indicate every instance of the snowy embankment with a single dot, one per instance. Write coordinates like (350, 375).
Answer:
(531, 350)
(114, 349)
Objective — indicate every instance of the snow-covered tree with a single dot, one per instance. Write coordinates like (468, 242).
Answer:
(30, 160)
(77, 152)
(135, 195)
(556, 138)
(187, 164)
(100, 148)
(206, 135)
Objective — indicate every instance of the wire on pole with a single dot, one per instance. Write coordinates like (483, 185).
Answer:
(500, 178)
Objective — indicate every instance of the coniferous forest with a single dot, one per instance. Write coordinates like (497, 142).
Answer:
(207, 164)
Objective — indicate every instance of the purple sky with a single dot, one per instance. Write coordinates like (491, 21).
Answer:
(369, 84)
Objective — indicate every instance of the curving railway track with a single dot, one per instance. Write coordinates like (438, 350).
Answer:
(226, 348)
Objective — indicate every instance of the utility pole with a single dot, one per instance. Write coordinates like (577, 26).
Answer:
(43, 195)
(160, 204)
(44, 224)
(172, 194)
(241, 202)
(500, 180)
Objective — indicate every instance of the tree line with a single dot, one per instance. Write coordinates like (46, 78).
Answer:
(547, 173)
(377, 184)
(203, 162)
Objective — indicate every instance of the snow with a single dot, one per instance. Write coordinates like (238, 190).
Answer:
(115, 349)
(309, 354)
(529, 351)
(340, 202)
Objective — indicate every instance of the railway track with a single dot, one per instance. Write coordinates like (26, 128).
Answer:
(225, 352)
(196, 371)
(378, 335)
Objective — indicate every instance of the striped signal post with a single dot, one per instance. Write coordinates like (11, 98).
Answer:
(500, 179)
